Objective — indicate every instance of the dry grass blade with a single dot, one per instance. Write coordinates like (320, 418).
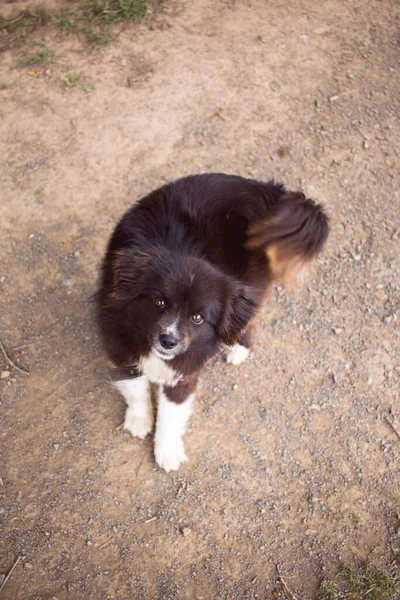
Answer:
(10, 362)
(285, 586)
(7, 577)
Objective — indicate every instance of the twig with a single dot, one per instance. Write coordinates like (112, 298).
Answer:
(22, 346)
(61, 387)
(150, 520)
(392, 427)
(10, 362)
(105, 544)
(119, 427)
(217, 114)
(283, 582)
(362, 135)
(7, 577)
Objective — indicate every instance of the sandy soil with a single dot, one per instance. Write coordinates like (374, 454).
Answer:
(292, 460)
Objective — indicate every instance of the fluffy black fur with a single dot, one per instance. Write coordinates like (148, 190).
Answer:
(202, 244)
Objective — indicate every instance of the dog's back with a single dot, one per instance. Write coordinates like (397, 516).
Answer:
(253, 230)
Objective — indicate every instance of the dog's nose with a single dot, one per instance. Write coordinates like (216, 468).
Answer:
(168, 341)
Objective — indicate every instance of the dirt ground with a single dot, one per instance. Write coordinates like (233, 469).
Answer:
(293, 464)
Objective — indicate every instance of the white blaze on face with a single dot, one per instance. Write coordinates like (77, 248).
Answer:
(173, 329)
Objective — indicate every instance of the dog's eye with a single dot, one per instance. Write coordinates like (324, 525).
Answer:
(198, 319)
(159, 302)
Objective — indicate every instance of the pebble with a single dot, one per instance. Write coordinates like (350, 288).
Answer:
(337, 330)
(186, 531)
(5, 374)
(2, 510)
(77, 254)
(235, 387)
(28, 566)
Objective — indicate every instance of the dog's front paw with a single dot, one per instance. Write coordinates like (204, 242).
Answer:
(170, 454)
(138, 426)
(237, 354)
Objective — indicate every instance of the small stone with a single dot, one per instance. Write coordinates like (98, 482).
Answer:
(186, 531)
(56, 446)
(2, 510)
(275, 86)
(235, 387)
(77, 254)
(28, 566)
(357, 257)
(337, 330)
(334, 98)
(365, 145)
(5, 374)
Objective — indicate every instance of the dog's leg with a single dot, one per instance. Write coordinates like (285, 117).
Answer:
(139, 414)
(240, 351)
(175, 405)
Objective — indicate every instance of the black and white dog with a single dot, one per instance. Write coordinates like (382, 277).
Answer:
(184, 274)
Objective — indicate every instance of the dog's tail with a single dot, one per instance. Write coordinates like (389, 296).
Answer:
(292, 234)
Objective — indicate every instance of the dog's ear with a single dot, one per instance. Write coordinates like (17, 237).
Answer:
(130, 269)
(240, 307)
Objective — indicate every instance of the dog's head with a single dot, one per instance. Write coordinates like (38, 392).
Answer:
(179, 302)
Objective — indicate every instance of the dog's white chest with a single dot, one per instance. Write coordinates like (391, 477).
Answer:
(157, 371)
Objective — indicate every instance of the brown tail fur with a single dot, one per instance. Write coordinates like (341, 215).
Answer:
(292, 234)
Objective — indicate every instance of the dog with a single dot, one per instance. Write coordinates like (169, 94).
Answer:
(184, 274)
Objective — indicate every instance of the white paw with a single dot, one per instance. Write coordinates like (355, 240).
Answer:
(237, 354)
(170, 455)
(138, 426)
